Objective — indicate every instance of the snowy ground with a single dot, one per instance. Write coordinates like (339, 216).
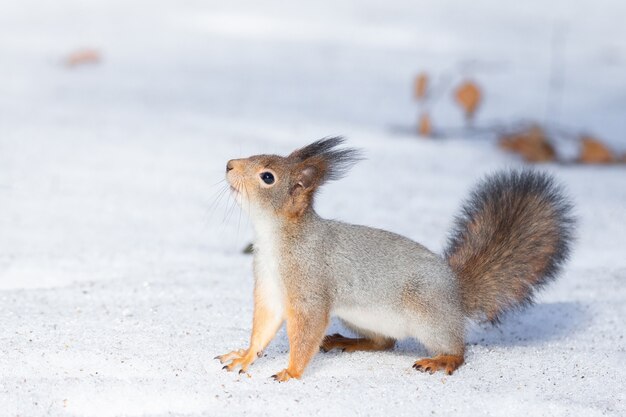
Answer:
(120, 280)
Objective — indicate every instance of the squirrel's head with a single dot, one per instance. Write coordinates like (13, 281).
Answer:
(286, 185)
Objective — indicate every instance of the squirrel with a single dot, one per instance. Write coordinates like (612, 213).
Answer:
(512, 237)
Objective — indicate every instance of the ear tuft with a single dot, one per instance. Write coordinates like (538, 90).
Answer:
(329, 162)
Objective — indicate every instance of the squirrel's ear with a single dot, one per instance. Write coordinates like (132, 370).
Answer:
(328, 161)
(309, 175)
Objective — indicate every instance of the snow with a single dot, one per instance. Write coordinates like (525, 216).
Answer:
(121, 277)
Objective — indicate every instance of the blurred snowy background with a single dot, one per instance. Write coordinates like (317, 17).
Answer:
(120, 278)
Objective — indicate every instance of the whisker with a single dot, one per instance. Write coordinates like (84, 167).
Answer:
(232, 207)
(217, 194)
(212, 203)
(216, 200)
(217, 183)
(240, 210)
(249, 205)
(227, 205)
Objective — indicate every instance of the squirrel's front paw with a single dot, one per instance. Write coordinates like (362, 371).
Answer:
(284, 376)
(231, 355)
(241, 358)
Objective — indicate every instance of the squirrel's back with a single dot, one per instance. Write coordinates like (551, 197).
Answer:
(379, 257)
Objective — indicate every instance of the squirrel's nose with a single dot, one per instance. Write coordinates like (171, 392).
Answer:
(229, 166)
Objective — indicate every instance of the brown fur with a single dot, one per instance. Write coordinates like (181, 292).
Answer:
(305, 329)
(305, 170)
(346, 344)
(447, 363)
(511, 239)
(412, 300)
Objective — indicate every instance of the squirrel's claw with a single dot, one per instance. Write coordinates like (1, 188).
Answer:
(422, 368)
(446, 363)
(241, 358)
(282, 376)
(235, 354)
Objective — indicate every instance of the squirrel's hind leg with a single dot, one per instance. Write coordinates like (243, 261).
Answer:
(438, 323)
(448, 346)
(347, 344)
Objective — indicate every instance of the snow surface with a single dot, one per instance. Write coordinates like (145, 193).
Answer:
(121, 277)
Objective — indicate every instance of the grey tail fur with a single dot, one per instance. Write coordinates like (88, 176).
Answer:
(511, 238)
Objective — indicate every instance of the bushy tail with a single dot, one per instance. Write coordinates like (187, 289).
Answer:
(511, 238)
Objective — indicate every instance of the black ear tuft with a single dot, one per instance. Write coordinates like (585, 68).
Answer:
(318, 147)
(337, 162)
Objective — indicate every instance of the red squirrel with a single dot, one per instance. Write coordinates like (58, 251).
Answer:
(511, 238)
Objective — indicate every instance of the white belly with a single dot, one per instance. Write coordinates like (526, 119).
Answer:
(384, 323)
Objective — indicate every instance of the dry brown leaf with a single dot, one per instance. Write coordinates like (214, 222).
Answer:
(82, 57)
(531, 143)
(592, 151)
(468, 96)
(421, 86)
(425, 127)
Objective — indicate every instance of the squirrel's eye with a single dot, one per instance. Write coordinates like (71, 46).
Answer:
(267, 177)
